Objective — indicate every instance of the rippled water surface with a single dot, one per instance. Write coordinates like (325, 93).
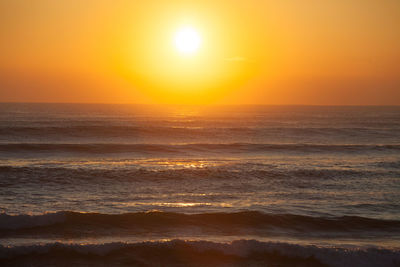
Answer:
(309, 175)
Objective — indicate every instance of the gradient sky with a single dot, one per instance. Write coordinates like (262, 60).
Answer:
(317, 52)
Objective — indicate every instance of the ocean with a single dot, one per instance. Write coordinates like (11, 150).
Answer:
(141, 185)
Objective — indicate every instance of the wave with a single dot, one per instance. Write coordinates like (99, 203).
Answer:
(111, 130)
(230, 148)
(196, 253)
(59, 175)
(245, 222)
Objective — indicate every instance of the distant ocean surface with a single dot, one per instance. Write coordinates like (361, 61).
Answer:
(131, 185)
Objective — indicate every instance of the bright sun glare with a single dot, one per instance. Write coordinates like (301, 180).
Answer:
(187, 40)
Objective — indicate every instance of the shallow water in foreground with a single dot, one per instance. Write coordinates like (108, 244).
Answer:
(312, 185)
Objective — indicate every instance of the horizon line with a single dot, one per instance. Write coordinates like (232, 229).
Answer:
(186, 104)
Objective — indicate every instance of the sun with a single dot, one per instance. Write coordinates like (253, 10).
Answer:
(187, 40)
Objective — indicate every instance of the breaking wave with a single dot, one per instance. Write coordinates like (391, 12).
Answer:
(224, 223)
(196, 253)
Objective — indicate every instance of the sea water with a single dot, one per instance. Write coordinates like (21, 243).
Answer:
(306, 182)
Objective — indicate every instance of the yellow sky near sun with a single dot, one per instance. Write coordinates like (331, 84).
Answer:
(252, 52)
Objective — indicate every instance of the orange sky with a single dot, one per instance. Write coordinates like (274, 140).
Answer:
(337, 52)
